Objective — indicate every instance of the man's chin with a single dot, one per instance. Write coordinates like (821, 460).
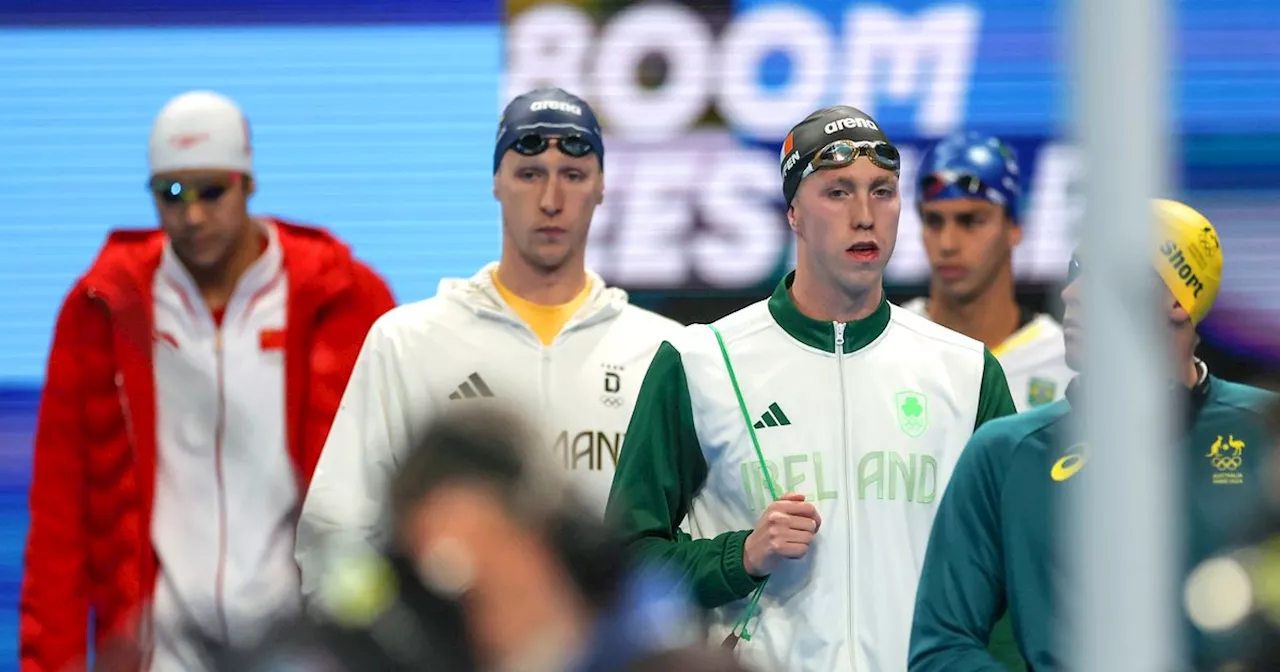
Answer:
(863, 278)
(1073, 358)
(959, 291)
(200, 262)
(548, 261)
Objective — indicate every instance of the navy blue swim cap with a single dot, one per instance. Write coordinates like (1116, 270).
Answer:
(548, 113)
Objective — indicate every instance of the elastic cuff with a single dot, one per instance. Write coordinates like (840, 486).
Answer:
(735, 573)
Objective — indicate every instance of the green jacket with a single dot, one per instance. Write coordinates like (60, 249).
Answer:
(993, 543)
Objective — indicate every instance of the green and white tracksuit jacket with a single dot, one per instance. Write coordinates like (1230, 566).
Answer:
(865, 418)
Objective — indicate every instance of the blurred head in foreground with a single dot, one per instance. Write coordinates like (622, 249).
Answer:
(1188, 259)
(479, 517)
(485, 516)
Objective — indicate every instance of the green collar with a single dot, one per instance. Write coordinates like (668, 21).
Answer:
(819, 334)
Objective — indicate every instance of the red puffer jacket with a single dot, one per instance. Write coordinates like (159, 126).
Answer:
(89, 546)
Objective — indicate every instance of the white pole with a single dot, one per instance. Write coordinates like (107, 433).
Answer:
(1123, 544)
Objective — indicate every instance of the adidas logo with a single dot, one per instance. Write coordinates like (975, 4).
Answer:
(774, 417)
(473, 387)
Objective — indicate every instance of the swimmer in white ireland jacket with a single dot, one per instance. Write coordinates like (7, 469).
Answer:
(788, 459)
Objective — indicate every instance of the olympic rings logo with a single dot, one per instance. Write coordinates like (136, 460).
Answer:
(1226, 463)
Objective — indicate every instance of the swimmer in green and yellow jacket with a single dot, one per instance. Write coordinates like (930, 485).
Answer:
(992, 548)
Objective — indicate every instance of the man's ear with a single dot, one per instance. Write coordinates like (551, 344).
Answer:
(791, 218)
(1015, 233)
(1178, 315)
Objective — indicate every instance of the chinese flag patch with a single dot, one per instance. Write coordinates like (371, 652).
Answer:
(271, 339)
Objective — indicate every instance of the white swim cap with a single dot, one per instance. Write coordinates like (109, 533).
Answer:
(201, 130)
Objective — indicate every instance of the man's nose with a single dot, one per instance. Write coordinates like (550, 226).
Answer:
(195, 213)
(1071, 293)
(552, 198)
(948, 237)
(862, 217)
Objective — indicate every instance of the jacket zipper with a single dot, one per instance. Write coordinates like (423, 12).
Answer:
(131, 438)
(544, 377)
(219, 431)
(544, 386)
(844, 475)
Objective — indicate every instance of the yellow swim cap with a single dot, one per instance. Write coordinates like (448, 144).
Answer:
(1188, 257)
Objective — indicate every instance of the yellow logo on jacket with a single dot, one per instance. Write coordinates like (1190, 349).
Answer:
(1070, 464)
(1226, 456)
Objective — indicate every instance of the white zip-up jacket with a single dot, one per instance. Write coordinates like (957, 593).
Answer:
(226, 494)
(1034, 358)
(467, 346)
(866, 419)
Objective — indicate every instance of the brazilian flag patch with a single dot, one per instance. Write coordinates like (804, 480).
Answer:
(1041, 391)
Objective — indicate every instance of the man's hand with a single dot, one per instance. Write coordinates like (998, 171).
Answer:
(784, 530)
